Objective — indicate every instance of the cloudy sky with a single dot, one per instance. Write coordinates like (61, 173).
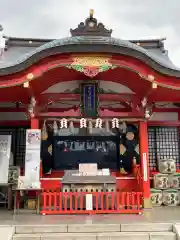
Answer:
(129, 19)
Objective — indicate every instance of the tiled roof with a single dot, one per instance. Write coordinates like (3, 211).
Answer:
(154, 57)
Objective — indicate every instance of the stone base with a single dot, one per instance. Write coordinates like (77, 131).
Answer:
(147, 203)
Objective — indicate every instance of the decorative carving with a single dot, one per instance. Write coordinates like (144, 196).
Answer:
(91, 27)
(91, 65)
(31, 107)
(92, 61)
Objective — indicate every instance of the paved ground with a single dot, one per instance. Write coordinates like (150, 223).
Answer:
(160, 214)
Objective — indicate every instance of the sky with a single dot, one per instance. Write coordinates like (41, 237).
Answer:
(129, 19)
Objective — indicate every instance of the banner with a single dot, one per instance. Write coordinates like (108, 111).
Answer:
(89, 100)
(5, 151)
(32, 157)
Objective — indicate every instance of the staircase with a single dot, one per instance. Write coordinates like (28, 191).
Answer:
(139, 231)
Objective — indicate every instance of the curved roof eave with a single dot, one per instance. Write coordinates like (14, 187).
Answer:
(91, 44)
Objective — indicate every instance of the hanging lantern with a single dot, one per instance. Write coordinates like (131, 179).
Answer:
(55, 128)
(71, 127)
(63, 123)
(115, 123)
(44, 134)
(98, 123)
(107, 128)
(83, 123)
(26, 84)
(90, 126)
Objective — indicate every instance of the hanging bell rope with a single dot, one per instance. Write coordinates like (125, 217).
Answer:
(71, 127)
(90, 127)
(44, 134)
(123, 127)
(107, 128)
(55, 128)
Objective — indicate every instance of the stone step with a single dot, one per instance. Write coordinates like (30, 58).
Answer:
(98, 236)
(6, 232)
(94, 228)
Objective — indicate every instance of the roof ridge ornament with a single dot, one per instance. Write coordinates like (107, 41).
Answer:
(2, 42)
(91, 27)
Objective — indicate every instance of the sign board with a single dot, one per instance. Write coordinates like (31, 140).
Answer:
(89, 99)
(32, 157)
(33, 138)
(89, 202)
(88, 169)
(5, 150)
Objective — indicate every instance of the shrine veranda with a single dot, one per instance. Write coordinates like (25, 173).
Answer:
(90, 99)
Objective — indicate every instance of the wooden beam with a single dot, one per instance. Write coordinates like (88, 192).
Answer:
(9, 109)
(102, 113)
(166, 110)
(54, 97)
(164, 123)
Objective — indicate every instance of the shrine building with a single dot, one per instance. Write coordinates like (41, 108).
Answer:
(97, 99)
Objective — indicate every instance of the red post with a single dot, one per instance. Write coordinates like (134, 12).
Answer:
(143, 138)
(34, 123)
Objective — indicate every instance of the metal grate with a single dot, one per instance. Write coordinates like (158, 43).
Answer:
(163, 144)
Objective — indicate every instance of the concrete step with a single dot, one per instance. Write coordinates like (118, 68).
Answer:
(95, 228)
(6, 232)
(98, 236)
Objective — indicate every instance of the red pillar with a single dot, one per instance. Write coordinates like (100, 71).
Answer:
(34, 123)
(143, 138)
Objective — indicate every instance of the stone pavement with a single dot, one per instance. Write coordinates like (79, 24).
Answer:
(157, 224)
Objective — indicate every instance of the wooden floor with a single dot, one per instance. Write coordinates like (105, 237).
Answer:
(160, 214)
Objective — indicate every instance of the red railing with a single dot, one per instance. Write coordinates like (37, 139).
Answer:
(54, 202)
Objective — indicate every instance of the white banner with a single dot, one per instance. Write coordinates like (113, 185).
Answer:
(33, 139)
(32, 157)
(145, 167)
(5, 152)
(89, 202)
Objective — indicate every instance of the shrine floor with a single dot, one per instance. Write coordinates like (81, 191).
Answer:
(159, 214)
